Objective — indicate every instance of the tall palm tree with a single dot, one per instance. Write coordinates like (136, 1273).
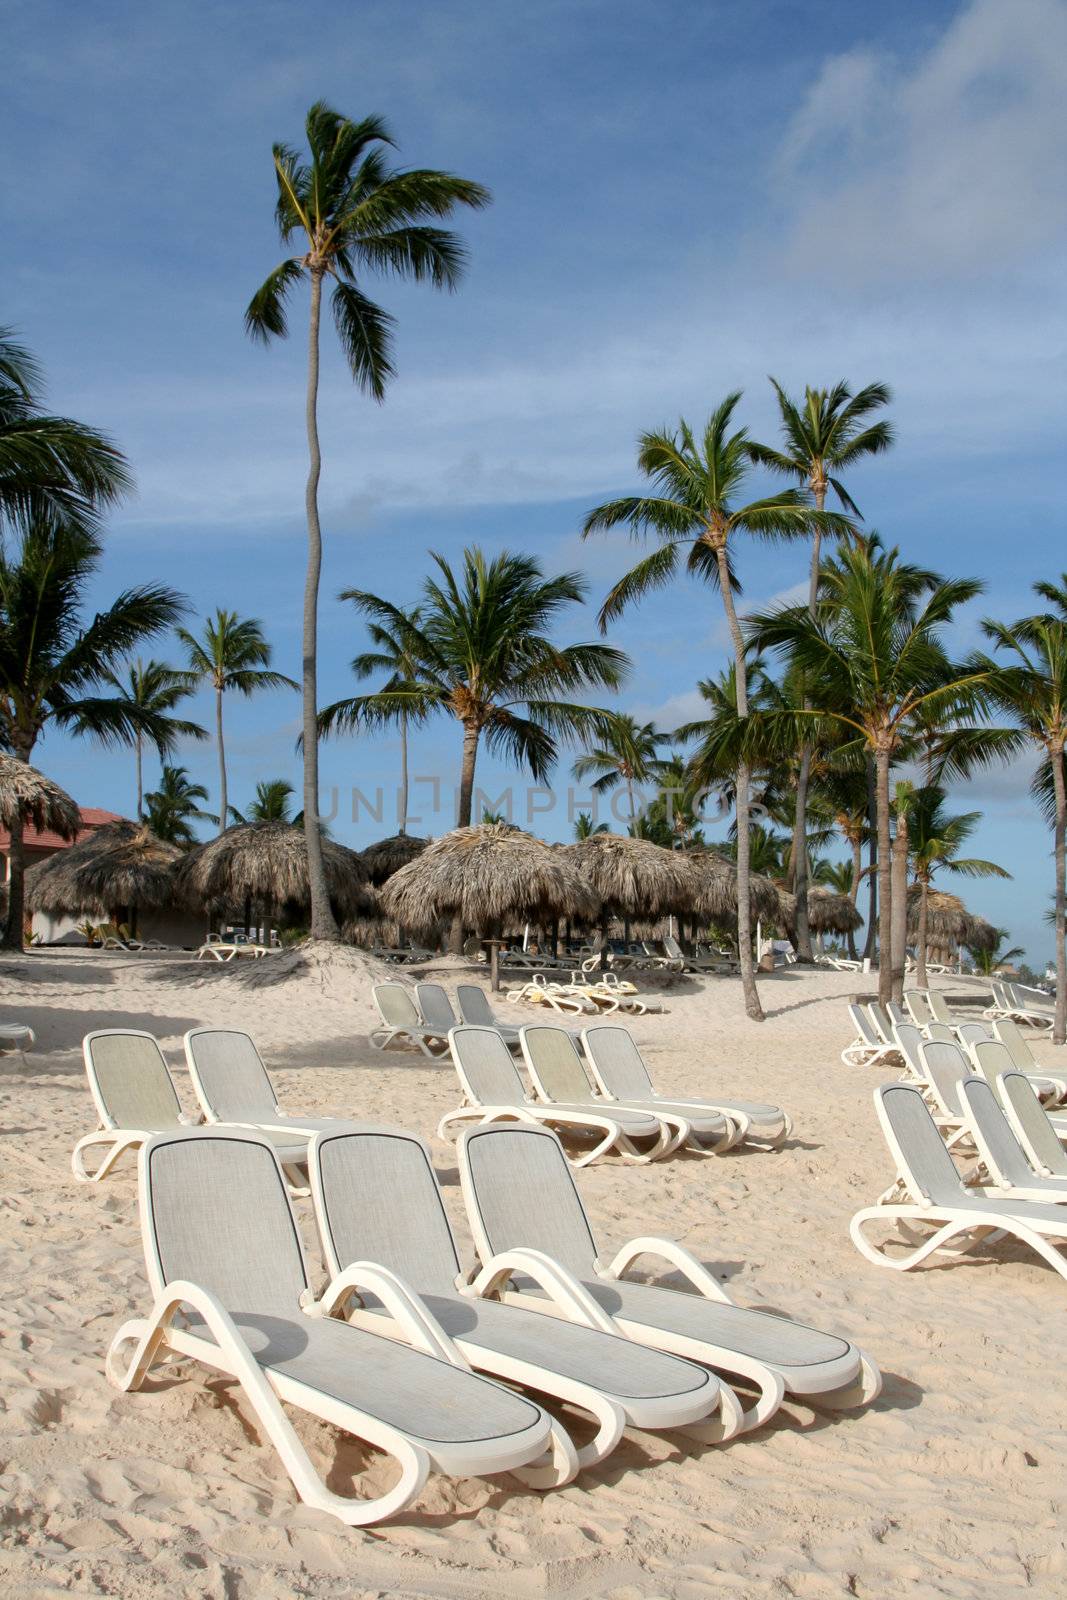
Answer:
(628, 753)
(697, 485)
(354, 216)
(52, 470)
(874, 661)
(391, 655)
(230, 654)
(585, 827)
(273, 803)
(824, 436)
(171, 809)
(158, 689)
(482, 655)
(56, 656)
(989, 959)
(1028, 683)
(935, 841)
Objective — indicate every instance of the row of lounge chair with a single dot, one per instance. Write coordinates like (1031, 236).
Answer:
(402, 1347)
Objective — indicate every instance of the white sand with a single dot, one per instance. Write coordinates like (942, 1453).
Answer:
(953, 1484)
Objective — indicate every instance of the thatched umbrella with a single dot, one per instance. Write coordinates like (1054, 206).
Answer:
(26, 795)
(121, 865)
(483, 875)
(948, 923)
(831, 913)
(716, 878)
(265, 864)
(389, 855)
(634, 879)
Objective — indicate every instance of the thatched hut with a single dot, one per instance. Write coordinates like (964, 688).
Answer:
(120, 871)
(262, 867)
(26, 795)
(827, 912)
(485, 875)
(634, 878)
(716, 880)
(387, 856)
(948, 925)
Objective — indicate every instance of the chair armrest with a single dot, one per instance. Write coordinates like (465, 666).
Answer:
(405, 1307)
(560, 1285)
(678, 1256)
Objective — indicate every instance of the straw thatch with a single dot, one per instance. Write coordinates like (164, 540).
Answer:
(486, 874)
(982, 936)
(634, 878)
(27, 794)
(120, 865)
(389, 855)
(948, 924)
(266, 863)
(716, 881)
(827, 912)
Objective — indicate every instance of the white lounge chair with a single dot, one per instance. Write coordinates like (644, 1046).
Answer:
(133, 1093)
(523, 1204)
(935, 1196)
(494, 1092)
(619, 1069)
(377, 1198)
(971, 1033)
(991, 1058)
(1007, 1167)
(939, 1008)
(1008, 1033)
(867, 1048)
(221, 1242)
(1032, 1126)
(1020, 1006)
(881, 1021)
(945, 1064)
(16, 1036)
(435, 1008)
(917, 1002)
(474, 1008)
(909, 1042)
(402, 1022)
(558, 1077)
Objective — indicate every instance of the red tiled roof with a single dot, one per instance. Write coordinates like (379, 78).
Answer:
(92, 817)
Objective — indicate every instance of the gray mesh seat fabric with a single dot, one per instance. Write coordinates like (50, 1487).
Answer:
(402, 1021)
(135, 1088)
(1001, 1151)
(435, 1007)
(1032, 1125)
(474, 1007)
(233, 1086)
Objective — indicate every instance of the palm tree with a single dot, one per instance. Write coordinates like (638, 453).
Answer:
(273, 803)
(1028, 683)
(935, 841)
(585, 827)
(990, 958)
(158, 689)
(171, 809)
(874, 662)
(628, 753)
(231, 653)
(824, 436)
(392, 656)
(54, 662)
(52, 470)
(697, 485)
(354, 216)
(482, 655)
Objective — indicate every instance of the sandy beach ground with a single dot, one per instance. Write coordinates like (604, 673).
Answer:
(951, 1485)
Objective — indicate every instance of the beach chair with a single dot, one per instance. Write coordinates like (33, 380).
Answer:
(377, 1198)
(917, 1003)
(939, 1010)
(522, 1203)
(133, 1093)
(971, 1033)
(1008, 1033)
(896, 1013)
(221, 1244)
(942, 1032)
(1006, 1164)
(1020, 1005)
(881, 1021)
(402, 1022)
(1032, 1125)
(699, 964)
(945, 1064)
(556, 1072)
(991, 1058)
(867, 1048)
(494, 1092)
(619, 1070)
(16, 1036)
(474, 1008)
(936, 1197)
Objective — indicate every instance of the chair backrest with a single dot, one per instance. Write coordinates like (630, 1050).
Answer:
(1027, 999)
(865, 1029)
(911, 1133)
(214, 1209)
(435, 1007)
(944, 1032)
(396, 1007)
(1001, 997)
(376, 1199)
(673, 948)
(649, 947)
(129, 1081)
(991, 1058)
(994, 1136)
(615, 1062)
(910, 1042)
(945, 1066)
(896, 1013)
(519, 1192)
(916, 1002)
(474, 1005)
(971, 1033)
(1008, 1032)
(938, 1007)
(1030, 1123)
(486, 1070)
(883, 1027)
(230, 1079)
(554, 1064)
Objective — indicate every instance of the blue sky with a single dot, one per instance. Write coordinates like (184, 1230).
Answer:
(687, 197)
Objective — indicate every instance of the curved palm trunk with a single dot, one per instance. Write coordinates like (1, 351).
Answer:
(1059, 788)
(872, 860)
(223, 794)
(403, 828)
(885, 884)
(753, 1008)
(898, 911)
(140, 781)
(920, 949)
(16, 883)
(323, 925)
(471, 733)
(800, 818)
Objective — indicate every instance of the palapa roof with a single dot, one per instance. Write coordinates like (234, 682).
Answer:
(27, 793)
(716, 878)
(387, 856)
(120, 864)
(634, 877)
(828, 912)
(948, 921)
(486, 874)
(266, 862)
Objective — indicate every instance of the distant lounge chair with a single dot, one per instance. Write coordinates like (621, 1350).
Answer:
(937, 1197)
(918, 1004)
(435, 1008)
(619, 1070)
(1032, 1125)
(523, 1206)
(1020, 1005)
(971, 1033)
(592, 1367)
(16, 1036)
(1006, 1163)
(1009, 1034)
(867, 1049)
(939, 1008)
(700, 964)
(992, 1057)
(910, 1041)
(474, 1008)
(221, 1242)
(494, 1092)
(134, 1095)
(557, 1074)
(402, 1022)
